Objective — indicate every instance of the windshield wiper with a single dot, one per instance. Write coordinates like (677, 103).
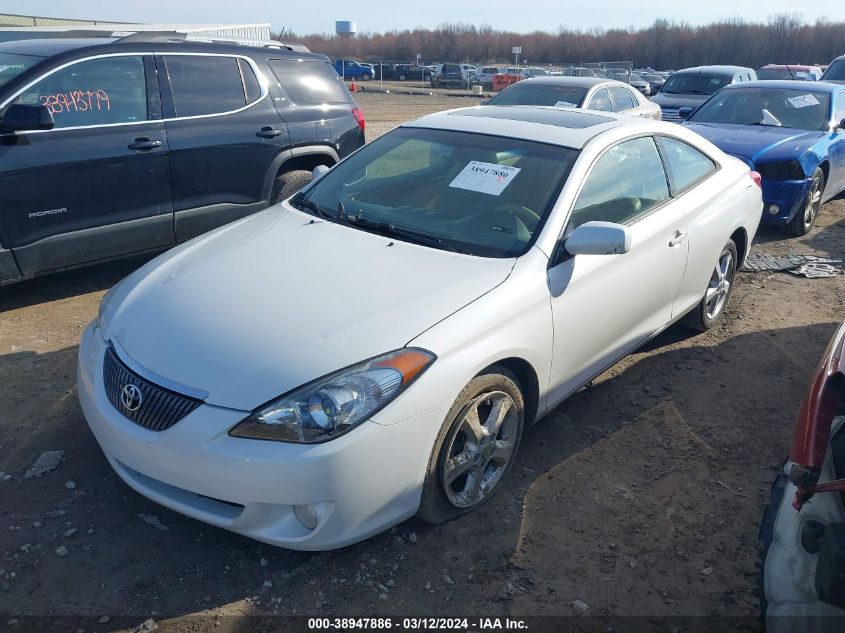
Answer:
(301, 202)
(388, 229)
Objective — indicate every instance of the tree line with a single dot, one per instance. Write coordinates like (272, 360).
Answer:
(783, 38)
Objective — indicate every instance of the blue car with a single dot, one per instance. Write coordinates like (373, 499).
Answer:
(791, 132)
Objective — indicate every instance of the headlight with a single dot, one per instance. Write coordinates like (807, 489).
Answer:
(786, 170)
(332, 405)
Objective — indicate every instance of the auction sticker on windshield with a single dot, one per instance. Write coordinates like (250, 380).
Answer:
(488, 178)
(803, 101)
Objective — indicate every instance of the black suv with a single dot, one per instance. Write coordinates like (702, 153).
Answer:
(112, 146)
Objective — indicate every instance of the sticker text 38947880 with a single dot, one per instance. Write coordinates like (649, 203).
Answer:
(488, 178)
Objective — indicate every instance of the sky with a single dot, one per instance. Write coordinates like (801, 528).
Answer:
(372, 15)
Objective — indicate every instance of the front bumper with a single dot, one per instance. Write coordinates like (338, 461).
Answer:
(789, 196)
(359, 484)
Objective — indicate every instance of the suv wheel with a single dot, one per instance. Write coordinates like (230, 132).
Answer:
(288, 184)
(366, 77)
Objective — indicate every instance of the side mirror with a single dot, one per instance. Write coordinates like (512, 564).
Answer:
(683, 113)
(599, 238)
(318, 171)
(22, 117)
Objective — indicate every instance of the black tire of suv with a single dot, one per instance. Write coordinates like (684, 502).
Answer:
(289, 183)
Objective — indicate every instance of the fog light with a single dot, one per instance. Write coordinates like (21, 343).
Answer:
(774, 209)
(307, 515)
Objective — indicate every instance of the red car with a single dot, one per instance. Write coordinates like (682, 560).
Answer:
(803, 529)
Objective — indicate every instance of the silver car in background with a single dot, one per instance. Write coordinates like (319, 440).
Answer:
(588, 93)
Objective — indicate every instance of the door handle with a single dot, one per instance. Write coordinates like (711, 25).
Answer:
(677, 238)
(268, 132)
(144, 143)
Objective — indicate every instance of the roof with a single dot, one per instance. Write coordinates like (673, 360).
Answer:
(723, 70)
(787, 84)
(47, 47)
(787, 67)
(565, 127)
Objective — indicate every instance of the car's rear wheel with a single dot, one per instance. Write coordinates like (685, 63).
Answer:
(475, 448)
(712, 306)
(366, 77)
(289, 183)
(806, 217)
(402, 77)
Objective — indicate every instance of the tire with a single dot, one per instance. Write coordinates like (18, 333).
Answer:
(709, 312)
(366, 77)
(806, 217)
(402, 77)
(444, 500)
(289, 183)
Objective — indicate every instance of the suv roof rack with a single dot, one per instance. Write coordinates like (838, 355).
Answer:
(129, 36)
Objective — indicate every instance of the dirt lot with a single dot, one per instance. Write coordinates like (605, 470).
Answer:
(640, 496)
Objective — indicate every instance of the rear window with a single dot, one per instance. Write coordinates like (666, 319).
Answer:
(310, 83)
(538, 94)
(204, 84)
(622, 98)
(774, 73)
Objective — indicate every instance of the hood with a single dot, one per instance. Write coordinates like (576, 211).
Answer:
(756, 142)
(665, 100)
(264, 305)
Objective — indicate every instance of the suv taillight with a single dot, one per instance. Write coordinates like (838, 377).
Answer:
(359, 116)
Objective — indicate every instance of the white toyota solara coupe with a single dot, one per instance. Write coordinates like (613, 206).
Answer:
(374, 347)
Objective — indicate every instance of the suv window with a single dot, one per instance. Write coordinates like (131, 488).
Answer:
(686, 164)
(835, 72)
(622, 99)
(93, 92)
(624, 183)
(601, 101)
(309, 83)
(251, 86)
(203, 84)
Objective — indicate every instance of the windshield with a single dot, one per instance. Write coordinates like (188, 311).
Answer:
(472, 193)
(540, 95)
(800, 109)
(12, 65)
(694, 84)
(836, 71)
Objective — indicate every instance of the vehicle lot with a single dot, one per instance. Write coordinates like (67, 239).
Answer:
(640, 496)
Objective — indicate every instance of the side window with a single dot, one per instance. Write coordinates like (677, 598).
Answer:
(204, 84)
(625, 182)
(94, 92)
(251, 86)
(839, 110)
(601, 101)
(622, 99)
(686, 164)
(310, 83)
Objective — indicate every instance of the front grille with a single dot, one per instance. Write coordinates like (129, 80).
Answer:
(157, 408)
(671, 114)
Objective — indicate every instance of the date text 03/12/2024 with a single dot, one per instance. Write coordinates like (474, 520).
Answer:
(414, 624)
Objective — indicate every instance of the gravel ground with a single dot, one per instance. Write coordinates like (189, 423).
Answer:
(639, 496)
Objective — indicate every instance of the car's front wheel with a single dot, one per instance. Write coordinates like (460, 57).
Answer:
(475, 448)
(806, 217)
(711, 308)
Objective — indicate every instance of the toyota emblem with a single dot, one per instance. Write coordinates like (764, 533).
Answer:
(131, 397)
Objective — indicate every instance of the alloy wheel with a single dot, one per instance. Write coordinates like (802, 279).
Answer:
(720, 285)
(814, 200)
(479, 449)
